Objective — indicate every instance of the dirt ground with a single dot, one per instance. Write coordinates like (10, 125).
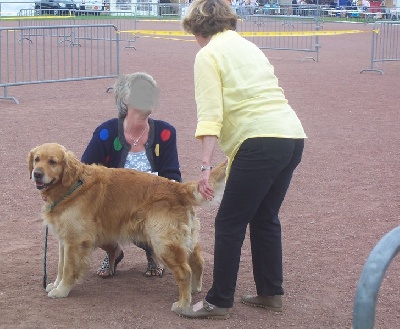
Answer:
(344, 196)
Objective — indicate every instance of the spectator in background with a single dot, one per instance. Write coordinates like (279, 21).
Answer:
(295, 7)
(365, 5)
(276, 9)
(253, 5)
(267, 8)
(245, 7)
(234, 6)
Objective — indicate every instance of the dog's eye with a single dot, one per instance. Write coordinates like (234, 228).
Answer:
(52, 162)
(36, 159)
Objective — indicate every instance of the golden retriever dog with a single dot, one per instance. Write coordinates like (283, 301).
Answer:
(88, 206)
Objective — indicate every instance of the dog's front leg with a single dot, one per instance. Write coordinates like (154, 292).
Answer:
(64, 282)
(54, 284)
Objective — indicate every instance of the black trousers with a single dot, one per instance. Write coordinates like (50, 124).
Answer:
(256, 187)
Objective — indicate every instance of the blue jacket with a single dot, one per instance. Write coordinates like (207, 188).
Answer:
(108, 147)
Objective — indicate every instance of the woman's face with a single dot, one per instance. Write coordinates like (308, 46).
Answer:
(143, 95)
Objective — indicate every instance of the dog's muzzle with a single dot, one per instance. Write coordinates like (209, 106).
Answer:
(37, 177)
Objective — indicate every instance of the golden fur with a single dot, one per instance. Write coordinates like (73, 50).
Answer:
(119, 205)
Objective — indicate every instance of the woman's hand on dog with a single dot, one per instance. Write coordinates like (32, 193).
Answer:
(205, 188)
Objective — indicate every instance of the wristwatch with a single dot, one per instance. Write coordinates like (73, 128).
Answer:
(202, 168)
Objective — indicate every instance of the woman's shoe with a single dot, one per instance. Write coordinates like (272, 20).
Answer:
(273, 303)
(153, 269)
(104, 269)
(203, 310)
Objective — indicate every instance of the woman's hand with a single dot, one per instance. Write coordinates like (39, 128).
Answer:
(208, 144)
(205, 188)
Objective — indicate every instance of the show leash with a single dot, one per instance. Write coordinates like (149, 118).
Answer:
(44, 259)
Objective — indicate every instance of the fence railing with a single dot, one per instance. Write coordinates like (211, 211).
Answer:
(124, 21)
(351, 13)
(163, 10)
(32, 55)
(371, 278)
(385, 45)
(142, 9)
(283, 32)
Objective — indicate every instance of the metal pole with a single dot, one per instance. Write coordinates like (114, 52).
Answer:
(371, 278)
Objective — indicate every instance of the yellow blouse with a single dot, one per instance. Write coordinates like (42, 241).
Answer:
(238, 96)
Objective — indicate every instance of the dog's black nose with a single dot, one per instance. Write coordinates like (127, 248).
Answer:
(37, 174)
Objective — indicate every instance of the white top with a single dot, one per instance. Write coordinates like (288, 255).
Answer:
(138, 161)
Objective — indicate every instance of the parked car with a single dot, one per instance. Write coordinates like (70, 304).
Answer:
(56, 7)
(92, 7)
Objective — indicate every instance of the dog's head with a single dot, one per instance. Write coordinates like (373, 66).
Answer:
(50, 164)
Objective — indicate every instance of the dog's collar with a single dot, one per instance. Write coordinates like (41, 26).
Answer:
(55, 203)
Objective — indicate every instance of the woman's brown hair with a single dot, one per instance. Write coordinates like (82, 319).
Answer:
(209, 17)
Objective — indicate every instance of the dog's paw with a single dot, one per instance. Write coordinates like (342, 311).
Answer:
(179, 305)
(57, 293)
(196, 291)
(175, 306)
(50, 287)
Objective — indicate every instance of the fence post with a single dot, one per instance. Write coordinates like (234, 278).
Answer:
(385, 44)
(374, 39)
(371, 278)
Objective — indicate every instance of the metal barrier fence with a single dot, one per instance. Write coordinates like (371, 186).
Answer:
(142, 9)
(280, 9)
(163, 10)
(326, 12)
(124, 21)
(385, 44)
(371, 278)
(139, 8)
(286, 32)
(31, 55)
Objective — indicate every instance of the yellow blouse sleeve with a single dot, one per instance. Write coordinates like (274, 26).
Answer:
(208, 94)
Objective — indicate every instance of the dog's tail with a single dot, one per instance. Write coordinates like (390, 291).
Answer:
(217, 181)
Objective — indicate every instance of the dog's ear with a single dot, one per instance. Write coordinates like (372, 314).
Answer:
(72, 169)
(30, 161)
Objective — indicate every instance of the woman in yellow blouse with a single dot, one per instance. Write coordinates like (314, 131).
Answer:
(241, 107)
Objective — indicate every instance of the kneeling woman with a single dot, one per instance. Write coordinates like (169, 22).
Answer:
(135, 141)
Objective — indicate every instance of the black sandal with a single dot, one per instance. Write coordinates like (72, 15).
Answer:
(153, 269)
